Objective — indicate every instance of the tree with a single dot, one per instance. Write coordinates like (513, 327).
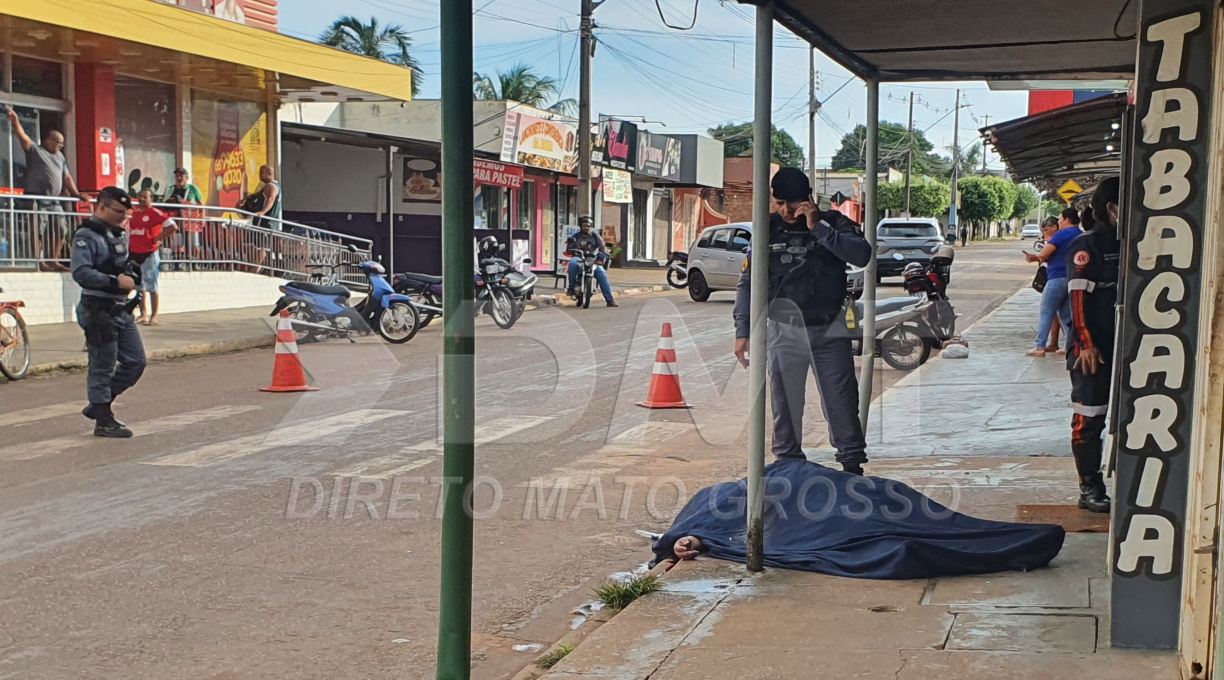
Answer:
(979, 202)
(520, 84)
(928, 197)
(388, 43)
(894, 146)
(1052, 207)
(1026, 202)
(737, 143)
(968, 162)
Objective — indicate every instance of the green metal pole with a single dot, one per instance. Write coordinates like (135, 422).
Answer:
(459, 346)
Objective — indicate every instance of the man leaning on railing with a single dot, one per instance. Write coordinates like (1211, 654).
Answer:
(46, 174)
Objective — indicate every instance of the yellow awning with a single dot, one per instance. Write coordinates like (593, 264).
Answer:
(178, 30)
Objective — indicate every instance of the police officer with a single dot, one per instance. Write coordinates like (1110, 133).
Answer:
(808, 252)
(100, 267)
(1092, 261)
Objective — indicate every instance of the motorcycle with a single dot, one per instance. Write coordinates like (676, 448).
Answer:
(589, 259)
(321, 311)
(908, 328)
(930, 281)
(677, 269)
(897, 340)
(494, 276)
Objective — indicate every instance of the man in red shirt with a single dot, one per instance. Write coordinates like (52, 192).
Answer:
(147, 228)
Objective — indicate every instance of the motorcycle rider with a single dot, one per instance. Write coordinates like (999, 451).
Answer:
(808, 253)
(587, 239)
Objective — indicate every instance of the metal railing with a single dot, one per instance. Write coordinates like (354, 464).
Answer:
(36, 232)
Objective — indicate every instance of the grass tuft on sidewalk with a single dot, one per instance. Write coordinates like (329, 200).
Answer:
(554, 657)
(618, 594)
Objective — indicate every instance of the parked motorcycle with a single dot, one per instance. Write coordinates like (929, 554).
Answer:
(425, 291)
(907, 328)
(897, 340)
(930, 281)
(589, 259)
(677, 269)
(494, 274)
(322, 311)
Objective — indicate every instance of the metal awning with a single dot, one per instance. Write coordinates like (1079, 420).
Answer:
(160, 41)
(969, 39)
(1081, 141)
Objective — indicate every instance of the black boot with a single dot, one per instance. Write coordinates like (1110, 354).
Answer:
(111, 428)
(1093, 497)
(100, 412)
(853, 468)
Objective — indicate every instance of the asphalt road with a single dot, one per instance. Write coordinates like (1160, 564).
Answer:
(242, 534)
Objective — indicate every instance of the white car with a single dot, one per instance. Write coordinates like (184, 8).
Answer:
(717, 260)
(1030, 231)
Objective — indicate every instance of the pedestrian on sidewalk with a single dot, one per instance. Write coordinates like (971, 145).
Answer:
(587, 239)
(964, 235)
(149, 227)
(46, 174)
(100, 266)
(1055, 302)
(1092, 258)
(185, 193)
(809, 250)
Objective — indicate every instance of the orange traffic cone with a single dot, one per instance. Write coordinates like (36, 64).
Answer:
(287, 373)
(665, 379)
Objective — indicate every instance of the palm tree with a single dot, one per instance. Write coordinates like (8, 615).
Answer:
(519, 84)
(388, 43)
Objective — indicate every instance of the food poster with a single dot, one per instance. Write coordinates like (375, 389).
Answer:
(422, 180)
(539, 143)
(228, 146)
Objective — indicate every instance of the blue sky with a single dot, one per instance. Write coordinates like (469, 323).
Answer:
(689, 80)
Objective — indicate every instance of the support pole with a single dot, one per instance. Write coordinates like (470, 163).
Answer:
(458, 362)
(955, 165)
(871, 216)
(761, 136)
(587, 42)
(813, 110)
(909, 153)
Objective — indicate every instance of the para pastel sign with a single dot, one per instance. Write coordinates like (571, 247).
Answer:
(497, 174)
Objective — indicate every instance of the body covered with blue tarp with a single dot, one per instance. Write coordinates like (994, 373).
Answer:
(832, 522)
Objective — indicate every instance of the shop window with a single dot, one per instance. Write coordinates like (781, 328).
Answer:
(38, 77)
(146, 135)
(526, 205)
(490, 207)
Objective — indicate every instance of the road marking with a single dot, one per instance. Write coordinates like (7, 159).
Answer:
(398, 467)
(33, 415)
(60, 444)
(488, 433)
(287, 435)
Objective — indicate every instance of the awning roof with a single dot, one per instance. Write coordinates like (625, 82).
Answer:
(1078, 142)
(309, 66)
(969, 39)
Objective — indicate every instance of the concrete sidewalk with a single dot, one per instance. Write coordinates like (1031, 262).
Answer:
(982, 434)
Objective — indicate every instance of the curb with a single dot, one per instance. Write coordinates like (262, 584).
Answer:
(575, 637)
(564, 300)
(166, 354)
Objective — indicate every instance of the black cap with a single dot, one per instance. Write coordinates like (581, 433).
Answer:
(117, 195)
(181, 171)
(790, 184)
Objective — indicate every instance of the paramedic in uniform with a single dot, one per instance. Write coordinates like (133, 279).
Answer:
(808, 253)
(100, 266)
(1092, 261)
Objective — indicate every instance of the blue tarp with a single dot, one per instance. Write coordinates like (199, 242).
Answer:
(831, 522)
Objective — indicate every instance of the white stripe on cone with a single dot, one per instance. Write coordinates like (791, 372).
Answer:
(286, 347)
(665, 368)
(666, 343)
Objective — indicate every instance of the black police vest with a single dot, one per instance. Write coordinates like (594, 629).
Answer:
(117, 250)
(805, 278)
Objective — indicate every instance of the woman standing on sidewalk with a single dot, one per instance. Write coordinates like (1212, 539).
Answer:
(1058, 232)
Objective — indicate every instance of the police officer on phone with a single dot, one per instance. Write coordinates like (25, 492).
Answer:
(808, 253)
(101, 267)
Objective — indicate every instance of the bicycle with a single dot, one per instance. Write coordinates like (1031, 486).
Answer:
(14, 341)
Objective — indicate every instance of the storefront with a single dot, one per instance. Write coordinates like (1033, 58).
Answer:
(547, 201)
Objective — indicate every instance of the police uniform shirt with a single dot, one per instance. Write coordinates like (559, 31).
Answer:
(1092, 262)
(99, 254)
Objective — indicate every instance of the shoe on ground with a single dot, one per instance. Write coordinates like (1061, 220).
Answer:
(612, 303)
(111, 429)
(1061, 352)
(1035, 353)
(1093, 496)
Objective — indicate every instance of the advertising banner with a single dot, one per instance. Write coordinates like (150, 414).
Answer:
(422, 180)
(616, 145)
(539, 143)
(228, 145)
(617, 186)
(497, 174)
(658, 156)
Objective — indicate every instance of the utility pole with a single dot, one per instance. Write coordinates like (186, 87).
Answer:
(986, 125)
(813, 109)
(909, 157)
(955, 164)
(584, 108)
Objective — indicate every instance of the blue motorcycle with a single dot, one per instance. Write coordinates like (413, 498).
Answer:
(322, 310)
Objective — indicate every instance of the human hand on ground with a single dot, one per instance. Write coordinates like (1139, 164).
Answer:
(687, 548)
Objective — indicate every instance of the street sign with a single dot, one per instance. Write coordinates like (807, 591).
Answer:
(1070, 190)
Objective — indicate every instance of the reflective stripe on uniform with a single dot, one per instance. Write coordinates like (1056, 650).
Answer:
(1081, 284)
(1084, 410)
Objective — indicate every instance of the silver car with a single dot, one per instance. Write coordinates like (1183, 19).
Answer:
(717, 260)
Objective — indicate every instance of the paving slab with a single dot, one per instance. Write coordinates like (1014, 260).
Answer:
(999, 632)
(1114, 665)
(695, 663)
(1065, 583)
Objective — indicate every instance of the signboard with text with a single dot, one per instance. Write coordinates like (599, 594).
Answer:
(617, 186)
(616, 145)
(497, 174)
(539, 143)
(658, 156)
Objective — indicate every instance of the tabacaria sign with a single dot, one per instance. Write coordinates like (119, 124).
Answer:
(1160, 329)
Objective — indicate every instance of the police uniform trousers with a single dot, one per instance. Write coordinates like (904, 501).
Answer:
(116, 352)
(826, 348)
(1089, 405)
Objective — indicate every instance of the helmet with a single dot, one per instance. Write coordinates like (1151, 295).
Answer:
(587, 219)
(487, 245)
